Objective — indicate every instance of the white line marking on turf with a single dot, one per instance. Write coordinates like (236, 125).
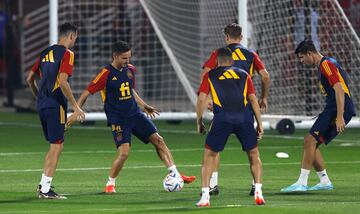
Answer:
(161, 166)
(172, 150)
(346, 144)
(165, 131)
(136, 151)
(190, 207)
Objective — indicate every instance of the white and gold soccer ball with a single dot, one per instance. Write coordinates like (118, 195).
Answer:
(173, 183)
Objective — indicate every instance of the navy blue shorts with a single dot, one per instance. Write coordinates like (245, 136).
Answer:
(220, 132)
(53, 124)
(138, 125)
(324, 128)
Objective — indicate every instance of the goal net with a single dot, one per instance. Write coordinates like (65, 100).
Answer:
(171, 39)
(278, 27)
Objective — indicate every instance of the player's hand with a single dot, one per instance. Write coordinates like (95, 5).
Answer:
(210, 105)
(263, 103)
(150, 111)
(78, 115)
(201, 126)
(340, 124)
(259, 132)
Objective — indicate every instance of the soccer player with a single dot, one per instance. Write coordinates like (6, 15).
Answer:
(338, 111)
(54, 67)
(122, 108)
(247, 60)
(235, 104)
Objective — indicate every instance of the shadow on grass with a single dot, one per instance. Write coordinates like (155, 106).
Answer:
(19, 200)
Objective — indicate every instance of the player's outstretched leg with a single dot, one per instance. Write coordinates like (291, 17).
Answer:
(166, 157)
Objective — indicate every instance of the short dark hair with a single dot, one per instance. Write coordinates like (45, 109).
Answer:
(305, 46)
(224, 55)
(233, 30)
(120, 47)
(67, 28)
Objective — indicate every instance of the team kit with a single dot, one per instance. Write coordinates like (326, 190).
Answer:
(226, 88)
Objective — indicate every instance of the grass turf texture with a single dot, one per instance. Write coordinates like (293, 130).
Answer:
(89, 151)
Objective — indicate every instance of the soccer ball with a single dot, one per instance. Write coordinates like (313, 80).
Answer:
(172, 183)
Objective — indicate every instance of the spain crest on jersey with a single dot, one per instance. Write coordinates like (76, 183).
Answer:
(130, 74)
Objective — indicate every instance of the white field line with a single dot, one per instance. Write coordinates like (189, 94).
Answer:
(161, 166)
(172, 150)
(137, 151)
(166, 131)
(191, 207)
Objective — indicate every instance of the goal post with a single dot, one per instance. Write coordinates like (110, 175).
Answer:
(170, 41)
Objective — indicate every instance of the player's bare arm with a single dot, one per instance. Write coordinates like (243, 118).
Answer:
(265, 84)
(200, 108)
(204, 71)
(78, 114)
(32, 84)
(256, 109)
(83, 97)
(149, 110)
(81, 101)
(209, 100)
(340, 102)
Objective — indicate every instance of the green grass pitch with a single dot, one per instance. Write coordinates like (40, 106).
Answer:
(89, 151)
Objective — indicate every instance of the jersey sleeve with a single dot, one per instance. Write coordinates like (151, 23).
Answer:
(330, 71)
(250, 86)
(258, 64)
(67, 63)
(204, 86)
(99, 82)
(36, 67)
(212, 61)
(133, 70)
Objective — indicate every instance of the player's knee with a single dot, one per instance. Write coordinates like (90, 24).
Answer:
(158, 141)
(254, 156)
(211, 153)
(309, 141)
(57, 148)
(253, 153)
(123, 156)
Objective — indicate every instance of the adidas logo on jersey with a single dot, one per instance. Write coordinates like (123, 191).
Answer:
(114, 78)
(229, 74)
(49, 57)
